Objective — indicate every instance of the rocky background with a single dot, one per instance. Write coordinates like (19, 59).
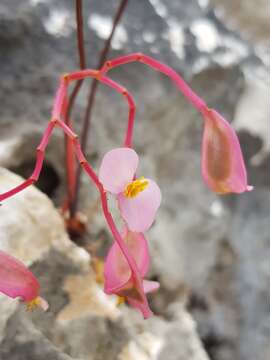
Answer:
(210, 253)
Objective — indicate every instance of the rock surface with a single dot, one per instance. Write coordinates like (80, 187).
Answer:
(248, 17)
(82, 322)
(206, 250)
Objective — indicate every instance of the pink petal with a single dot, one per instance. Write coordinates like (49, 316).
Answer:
(118, 168)
(16, 280)
(139, 212)
(132, 293)
(43, 303)
(223, 167)
(141, 306)
(120, 280)
(150, 286)
(138, 248)
(117, 272)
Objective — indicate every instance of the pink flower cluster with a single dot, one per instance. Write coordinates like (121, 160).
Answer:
(138, 198)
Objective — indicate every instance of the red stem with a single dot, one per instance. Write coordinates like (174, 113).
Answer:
(186, 90)
(69, 150)
(91, 98)
(39, 161)
(70, 160)
(131, 105)
(82, 74)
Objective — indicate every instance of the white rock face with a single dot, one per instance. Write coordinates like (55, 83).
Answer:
(30, 225)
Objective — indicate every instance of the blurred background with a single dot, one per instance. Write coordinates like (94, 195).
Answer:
(210, 253)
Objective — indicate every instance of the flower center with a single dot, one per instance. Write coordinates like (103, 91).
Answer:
(135, 187)
(31, 305)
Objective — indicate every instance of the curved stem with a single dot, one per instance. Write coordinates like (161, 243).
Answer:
(131, 105)
(82, 74)
(38, 166)
(186, 90)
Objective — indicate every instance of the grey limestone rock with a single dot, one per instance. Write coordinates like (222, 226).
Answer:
(82, 322)
(208, 252)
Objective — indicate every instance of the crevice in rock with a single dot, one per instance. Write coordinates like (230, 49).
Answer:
(214, 344)
(215, 308)
(48, 181)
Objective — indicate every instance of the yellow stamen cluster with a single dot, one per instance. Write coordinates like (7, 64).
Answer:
(98, 266)
(120, 300)
(135, 187)
(31, 305)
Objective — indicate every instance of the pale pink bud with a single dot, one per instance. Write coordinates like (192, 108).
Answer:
(223, 167)
(16, 280)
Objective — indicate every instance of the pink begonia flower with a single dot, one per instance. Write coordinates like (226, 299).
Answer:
(117, 273)
(223, 167)
(17, 281)
(138, 199)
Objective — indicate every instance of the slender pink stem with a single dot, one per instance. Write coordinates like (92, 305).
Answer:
(131, 105)
(38, 166)
(82, 74)
(17, 189)
(71, 134)
(46, 137)
(193, 98)
(59, 101)
(70, 158)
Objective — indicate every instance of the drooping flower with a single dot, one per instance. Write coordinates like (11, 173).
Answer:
(138, 199)
(16, 280)
(223, 167)
(118, 275)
